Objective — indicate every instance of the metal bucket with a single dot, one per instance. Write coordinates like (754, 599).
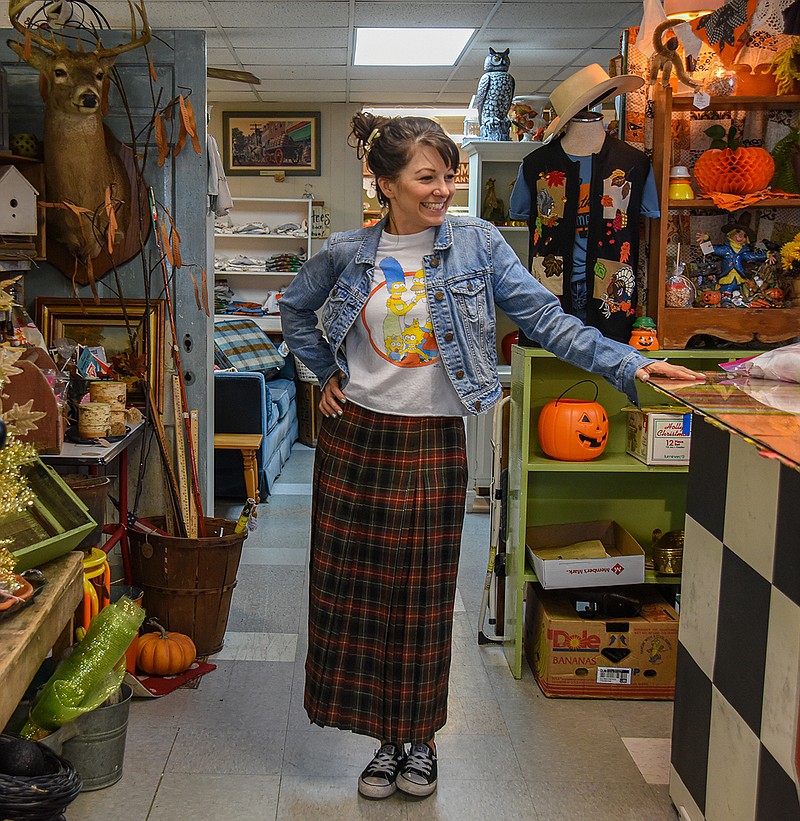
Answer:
(97, 751)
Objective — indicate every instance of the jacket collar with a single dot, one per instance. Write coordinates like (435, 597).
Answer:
(372, 236)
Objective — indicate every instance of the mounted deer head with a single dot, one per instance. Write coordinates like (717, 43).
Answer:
(80, 163)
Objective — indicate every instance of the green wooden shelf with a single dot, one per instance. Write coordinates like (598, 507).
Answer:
(606, 463)
(614, 486)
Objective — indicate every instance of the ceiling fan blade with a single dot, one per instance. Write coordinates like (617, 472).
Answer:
(233, 75)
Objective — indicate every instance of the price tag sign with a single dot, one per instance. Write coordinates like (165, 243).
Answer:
(706, 247)
(701, 100)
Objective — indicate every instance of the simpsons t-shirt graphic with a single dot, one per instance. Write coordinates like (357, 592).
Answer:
(395, 365)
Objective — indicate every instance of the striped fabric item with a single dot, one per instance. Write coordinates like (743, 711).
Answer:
(240, 344)
(388, 509)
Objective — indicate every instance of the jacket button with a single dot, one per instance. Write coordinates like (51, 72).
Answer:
(470, 287)
(334, 292)
(448, 337)
(478, 405)
(459, 374)
(439, 295)
(435, 262)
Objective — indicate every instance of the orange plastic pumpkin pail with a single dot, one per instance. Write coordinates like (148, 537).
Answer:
(573, 430)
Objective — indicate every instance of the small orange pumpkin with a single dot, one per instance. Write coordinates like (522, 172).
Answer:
(164, 653)
(643, 340)
(712, 297)
(573, 430)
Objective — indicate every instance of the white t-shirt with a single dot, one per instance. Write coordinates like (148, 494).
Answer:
(391, 350)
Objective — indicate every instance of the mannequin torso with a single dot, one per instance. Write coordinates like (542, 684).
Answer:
(583, 138)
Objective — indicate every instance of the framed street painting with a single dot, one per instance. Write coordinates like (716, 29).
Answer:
(269, 142)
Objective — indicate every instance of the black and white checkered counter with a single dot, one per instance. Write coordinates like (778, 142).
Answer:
(735, 754)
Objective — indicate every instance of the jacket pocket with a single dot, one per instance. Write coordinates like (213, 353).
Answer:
(471, 301)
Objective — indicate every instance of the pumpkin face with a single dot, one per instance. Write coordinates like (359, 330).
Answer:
(163, 653)
(739, 171)
(643, 339)
(573, 430)
(711, 297)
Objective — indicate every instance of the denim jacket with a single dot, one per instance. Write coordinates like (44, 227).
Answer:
(471, 269)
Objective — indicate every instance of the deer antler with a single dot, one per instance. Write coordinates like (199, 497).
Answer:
(135, 42)
(15, 9)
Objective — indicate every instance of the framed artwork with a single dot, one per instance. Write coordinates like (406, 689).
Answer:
(265, 142)
(123, 328)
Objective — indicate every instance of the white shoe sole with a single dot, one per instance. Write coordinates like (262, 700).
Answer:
(374, 790)
(412, 788)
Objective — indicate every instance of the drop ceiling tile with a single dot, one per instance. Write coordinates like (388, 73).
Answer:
(542, 38)
(531, 57)
(220, 57)
(166, 14)
(424, 15)
(243, 14)
(285, 56)
(228, 96)
(392, 72)
(303, 97)
(290, 74)
(295, 37)
(563, 15)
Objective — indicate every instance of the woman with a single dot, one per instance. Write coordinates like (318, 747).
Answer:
(409, 349)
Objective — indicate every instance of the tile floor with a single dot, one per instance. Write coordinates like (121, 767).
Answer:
(240, 746)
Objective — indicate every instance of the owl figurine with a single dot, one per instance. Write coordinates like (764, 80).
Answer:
(494, 96)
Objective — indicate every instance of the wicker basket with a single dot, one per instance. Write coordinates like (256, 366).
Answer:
(304, 374)
(40, 797)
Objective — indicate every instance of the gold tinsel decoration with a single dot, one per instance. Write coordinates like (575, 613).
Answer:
(8, 581)
(15, 493)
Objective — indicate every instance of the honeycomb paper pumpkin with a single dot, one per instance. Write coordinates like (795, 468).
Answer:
(734, 171)
(573, 430)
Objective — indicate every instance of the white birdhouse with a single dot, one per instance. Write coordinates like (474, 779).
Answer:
(17, 203)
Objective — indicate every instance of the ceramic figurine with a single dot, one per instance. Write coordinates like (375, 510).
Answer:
(643, 334)
(735, 252)
(494, 209)
(494, 96)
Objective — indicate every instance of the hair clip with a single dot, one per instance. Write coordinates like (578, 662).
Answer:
(372, 137)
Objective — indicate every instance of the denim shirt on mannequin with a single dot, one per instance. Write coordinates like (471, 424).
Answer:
(470, 269)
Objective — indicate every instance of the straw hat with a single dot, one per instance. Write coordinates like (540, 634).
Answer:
(584, 89)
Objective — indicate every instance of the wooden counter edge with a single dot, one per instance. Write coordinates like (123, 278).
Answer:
(26, 639)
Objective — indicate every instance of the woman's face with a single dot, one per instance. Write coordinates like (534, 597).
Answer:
(421, 194)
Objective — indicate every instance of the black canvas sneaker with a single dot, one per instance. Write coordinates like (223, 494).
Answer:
(418, 774)
(380, 776)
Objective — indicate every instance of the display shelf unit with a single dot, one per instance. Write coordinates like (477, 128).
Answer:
(500, 161)
(252, 286)
(676, 326)
(614, 486)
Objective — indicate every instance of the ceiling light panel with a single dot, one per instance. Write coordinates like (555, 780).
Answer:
(409, 46)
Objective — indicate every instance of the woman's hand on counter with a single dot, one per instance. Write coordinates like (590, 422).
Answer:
(660, 368)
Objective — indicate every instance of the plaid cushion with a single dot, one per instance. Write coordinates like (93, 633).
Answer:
(242, 345)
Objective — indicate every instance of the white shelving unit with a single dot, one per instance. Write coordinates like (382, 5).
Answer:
(499, 161)
(252, 286)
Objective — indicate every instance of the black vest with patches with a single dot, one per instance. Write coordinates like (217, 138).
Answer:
(619, 173)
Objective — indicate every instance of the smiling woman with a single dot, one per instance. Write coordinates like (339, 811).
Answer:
(409, 348)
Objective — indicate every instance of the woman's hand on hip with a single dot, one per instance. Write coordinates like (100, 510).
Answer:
(332, 397)
(659, 368)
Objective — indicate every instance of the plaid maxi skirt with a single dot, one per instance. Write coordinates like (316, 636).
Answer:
(388, 509)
